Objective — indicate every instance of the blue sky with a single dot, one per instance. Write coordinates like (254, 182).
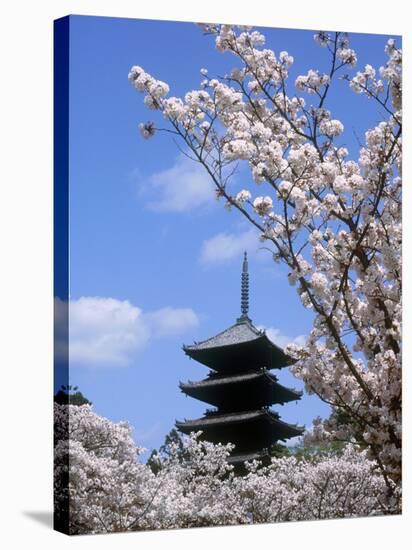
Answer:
(153, 266)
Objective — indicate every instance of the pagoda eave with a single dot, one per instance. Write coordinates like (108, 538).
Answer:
(237, 347)
(240, 458)
(261, 420)
(259, 388)
(240, 356)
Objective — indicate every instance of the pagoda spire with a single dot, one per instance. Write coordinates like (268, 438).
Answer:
(244, 293)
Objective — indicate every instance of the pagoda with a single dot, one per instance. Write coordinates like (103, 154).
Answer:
(241, 388)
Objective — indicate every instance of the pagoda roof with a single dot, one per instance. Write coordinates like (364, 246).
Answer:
(244, 457)
(242, 344)
(241, 331)
(262, 416)
(254, 385)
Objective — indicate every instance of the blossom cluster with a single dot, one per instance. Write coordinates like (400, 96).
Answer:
(312, 82)
(366, 81)
(106, 489)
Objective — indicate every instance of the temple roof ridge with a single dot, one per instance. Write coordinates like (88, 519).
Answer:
(241, 331)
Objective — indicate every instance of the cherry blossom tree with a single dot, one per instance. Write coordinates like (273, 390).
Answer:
(99, 485)
(105, 488)
(331, 215)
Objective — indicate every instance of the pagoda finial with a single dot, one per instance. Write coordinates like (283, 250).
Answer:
(244, 301)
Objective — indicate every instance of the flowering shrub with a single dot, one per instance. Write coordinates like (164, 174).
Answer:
(108, 490)
(333, 217)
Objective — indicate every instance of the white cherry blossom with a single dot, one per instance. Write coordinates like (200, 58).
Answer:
(101, 487)
(331, 215)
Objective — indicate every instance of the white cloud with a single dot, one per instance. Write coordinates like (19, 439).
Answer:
(107, 332)
(184, 186)
(225, 246)
(280, 339)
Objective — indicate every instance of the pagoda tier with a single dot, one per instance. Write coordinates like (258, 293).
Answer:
(239, 392)
(248, 430)
(238, 348)
(241, 388)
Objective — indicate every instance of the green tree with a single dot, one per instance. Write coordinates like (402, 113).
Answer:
(279, 450)
(164, 451)
(70, 395)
